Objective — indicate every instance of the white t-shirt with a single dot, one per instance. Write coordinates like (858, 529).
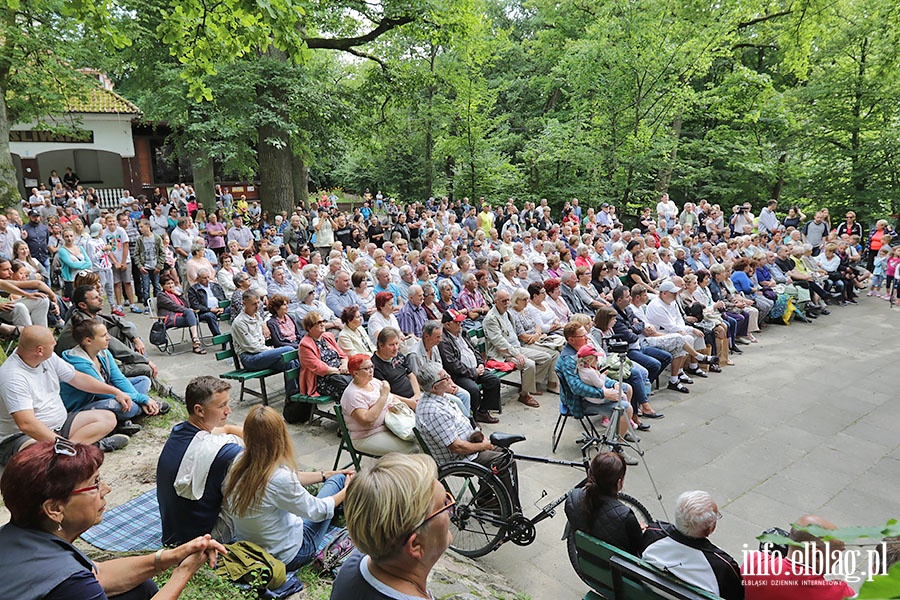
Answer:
(24, 388)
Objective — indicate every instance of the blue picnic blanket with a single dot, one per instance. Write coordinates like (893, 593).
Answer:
(131, 527)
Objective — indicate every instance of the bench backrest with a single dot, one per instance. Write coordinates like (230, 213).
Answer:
(291, 374)
(617, 574)
(477, 338)
(227, 350)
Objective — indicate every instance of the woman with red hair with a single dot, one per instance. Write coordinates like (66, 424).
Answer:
(365, 402)
(54, 493)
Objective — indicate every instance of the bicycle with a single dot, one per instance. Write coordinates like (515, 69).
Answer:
(487, 515)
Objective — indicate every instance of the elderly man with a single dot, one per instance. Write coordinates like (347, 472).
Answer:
(780, 576)
(663, 314)
(684, 549)
(426, 350)
(466, 365)
(31, 409)
(570, 295)
(249, 334)
(412, 315)
(240, 233)
(257, 279)
(472, 302)
(449, 434)
(538, 270)
(503, 345)
(204, 297)
(343, 296)
(384, 284)
(282, 283)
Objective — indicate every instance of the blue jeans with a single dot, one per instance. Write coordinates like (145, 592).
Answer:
(148, 278)
(314, 532)
(271, 359)
(655, 360)
(141, 383)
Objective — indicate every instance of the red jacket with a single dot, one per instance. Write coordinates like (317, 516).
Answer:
(311, 366)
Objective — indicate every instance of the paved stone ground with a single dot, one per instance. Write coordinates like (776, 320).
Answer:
(806, 422)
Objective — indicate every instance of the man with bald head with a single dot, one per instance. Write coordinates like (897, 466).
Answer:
(774, 576)
(32, 410)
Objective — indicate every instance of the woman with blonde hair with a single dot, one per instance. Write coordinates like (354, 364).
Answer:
(265, 495)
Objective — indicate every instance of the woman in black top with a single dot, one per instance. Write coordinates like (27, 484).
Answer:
(596, 510)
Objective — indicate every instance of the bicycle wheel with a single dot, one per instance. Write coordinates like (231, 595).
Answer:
(479, 522)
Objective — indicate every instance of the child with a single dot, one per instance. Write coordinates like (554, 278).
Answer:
(97, 250)
(589, 373)
(890, 269)
(879, 272)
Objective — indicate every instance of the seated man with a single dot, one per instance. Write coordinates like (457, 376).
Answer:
(193, 464)
(449, 434)
(32, 409)
(412, 316)
(426, 350)
(685, 551)
(471, 301)
(343, 296)
(466, 365)
(27, 307)
(249, 333)
(204, 297)
(503, 345)
(391, 366)
(774, 576)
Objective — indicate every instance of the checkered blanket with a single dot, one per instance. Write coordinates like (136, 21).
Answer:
(133, 526)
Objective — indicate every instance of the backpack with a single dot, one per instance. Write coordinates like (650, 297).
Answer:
(333, 550)
(158, 334)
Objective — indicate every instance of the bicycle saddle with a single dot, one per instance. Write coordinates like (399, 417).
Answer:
(505, 440)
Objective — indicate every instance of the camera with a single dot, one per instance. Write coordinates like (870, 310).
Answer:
(617, 346)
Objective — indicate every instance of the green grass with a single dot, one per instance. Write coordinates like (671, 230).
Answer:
(205, 585)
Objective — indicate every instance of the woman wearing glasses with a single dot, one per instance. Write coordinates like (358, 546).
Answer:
(54, 494)
(265, 495)
(398, 515)
(324, 371)
(365, 403)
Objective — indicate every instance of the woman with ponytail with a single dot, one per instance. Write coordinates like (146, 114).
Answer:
(596, 510)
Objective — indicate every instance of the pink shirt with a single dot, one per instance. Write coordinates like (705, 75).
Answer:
(356, 397)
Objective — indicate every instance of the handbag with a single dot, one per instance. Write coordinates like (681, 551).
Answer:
(158, 334)
(333, 550)
(613, 362)
(400, 420)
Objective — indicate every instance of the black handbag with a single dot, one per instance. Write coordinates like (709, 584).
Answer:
(158, 334)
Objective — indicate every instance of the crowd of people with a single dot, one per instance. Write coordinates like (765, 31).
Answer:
(385, 309)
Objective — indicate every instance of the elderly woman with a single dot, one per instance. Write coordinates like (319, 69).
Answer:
(745, 303)
(744, 280)
(265, 497)
(584, 257)
(284, 328)
(234, 249)
(309, 301)
(398, 515)
(174, 310)
(383, 315)
(197, 262)
(225, 275)
(429, 305)
(445, 290)
(324, 364)
(509, 281)
(536, 344)
(354, 339)
(446, 273)
(708, 318)
(54, 493)
(365, 403)
(538, 310)
(733, 306)
(555, 302)
(241, 283)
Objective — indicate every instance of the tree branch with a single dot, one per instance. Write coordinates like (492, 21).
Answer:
(349, 42)
(763, 19)
(361, 54)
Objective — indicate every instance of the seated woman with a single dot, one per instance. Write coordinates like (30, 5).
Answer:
(265, 496)
(538, 310)
(353, 338)
(383, 316)
(173, 308)
(324, 364)
(743, 279)
(284, 328)
(365, 402)
(309, 302)
(54, 493)
(596, 510)
(225, 275)
(92, 356)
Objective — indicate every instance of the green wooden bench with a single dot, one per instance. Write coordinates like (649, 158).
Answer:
(239, 373)
(347, 443)
(615, 574)
(300, 407)
(225, 316)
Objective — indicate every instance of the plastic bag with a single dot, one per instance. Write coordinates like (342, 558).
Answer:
(401, 420)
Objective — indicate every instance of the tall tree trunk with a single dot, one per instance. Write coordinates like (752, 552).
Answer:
(665, 173)
(779, 185)
(276, 191)
(301, 180)
(429, 128)
(204, 181)
(9, 187)
(857, 171)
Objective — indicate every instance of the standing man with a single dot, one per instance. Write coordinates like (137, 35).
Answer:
(814, 232)
(768, 220)
(37, 236)
(117, 240)
(240, 233)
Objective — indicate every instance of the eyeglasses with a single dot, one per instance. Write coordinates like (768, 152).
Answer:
(64, 447)
(369, 368)
(89, 488)
(442, 379)
(449, 505)
(719, 516)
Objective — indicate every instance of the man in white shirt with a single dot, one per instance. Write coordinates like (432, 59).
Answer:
(768, 221)
(9, 235)
(663, 314)
(32, 410)
(667, 210)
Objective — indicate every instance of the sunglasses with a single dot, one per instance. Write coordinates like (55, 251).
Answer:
(317, 323)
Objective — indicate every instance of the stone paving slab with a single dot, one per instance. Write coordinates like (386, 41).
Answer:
(806, 422)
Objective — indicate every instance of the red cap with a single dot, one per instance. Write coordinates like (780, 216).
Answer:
(587, 350)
